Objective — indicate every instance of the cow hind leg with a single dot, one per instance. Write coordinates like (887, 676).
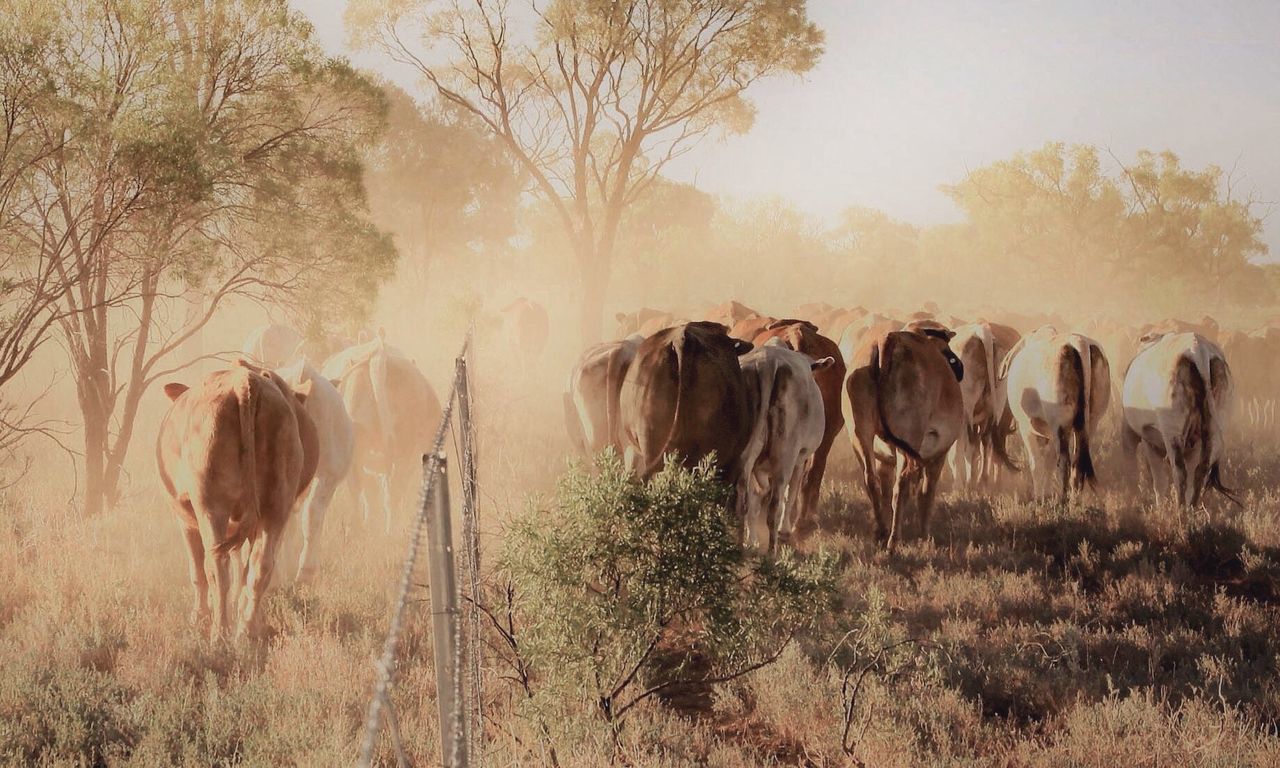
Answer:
(199, 579)
(261, 564)
(311, 523)
(1064, 461)
(928, 495)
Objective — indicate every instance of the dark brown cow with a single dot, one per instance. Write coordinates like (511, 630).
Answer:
(684, 393)
(235, 456)
(526, 328)
(905, 412)
(803, 337)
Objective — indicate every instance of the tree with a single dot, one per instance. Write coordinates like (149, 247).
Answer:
(597, 96)
(211, 147)
(440, 182)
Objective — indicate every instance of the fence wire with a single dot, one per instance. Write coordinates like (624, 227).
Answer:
(434, 470)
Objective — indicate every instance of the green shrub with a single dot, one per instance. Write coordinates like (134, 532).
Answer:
(631, 589)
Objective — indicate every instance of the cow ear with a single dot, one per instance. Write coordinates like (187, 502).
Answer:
(302, 391)
(823, 364)
(337, 383)
(173, 390)
(741, 347)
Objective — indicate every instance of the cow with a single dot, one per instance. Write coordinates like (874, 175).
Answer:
(730, 313)
(525, 328)
(336, 437)
(905, 411)
(983, 398)
(1255, 365)
(833, 325)
(593, 393)
(272, 345)
(803, 337)
(394, 414)
(645, 321)
(684, 393)
(1206, 327)
(748, 328)
(873, 325)
(787, 432)
(234, 454)
(1059, 386)
(1177, 396)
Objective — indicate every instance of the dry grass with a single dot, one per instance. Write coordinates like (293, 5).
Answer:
(1100, 633)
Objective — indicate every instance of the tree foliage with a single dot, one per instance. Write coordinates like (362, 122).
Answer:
(204, 150)
(595, 98)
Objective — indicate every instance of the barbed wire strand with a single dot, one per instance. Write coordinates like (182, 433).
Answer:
(385, 666)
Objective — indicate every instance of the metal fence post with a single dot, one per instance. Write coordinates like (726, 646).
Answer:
(454, 751)
(470, 551)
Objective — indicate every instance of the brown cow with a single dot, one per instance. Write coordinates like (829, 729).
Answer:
(235, 456)
(526, 328)
(685, 393)
(803, 337)
(905, 412)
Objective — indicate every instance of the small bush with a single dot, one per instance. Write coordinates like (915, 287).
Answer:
(633, 589)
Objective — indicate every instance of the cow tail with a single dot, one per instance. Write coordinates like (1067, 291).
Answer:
(1209, 424)
(1080, 357)
(613, 378)
(878, 375)
(655, 462)
(247, 405)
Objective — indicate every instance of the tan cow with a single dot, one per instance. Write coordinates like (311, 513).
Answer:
(804, 337)
(272, 345)
(873, 326)
(234, 454)
(336, 437)
(730, 313)
(1177, 396)
(394, 413)
(748, 328)
(786, 435)
(1059, 386)
(684, 393)
(593, 393)
(905, 411)
(645, 322)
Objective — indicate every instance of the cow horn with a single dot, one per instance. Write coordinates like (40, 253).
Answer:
(173, 390)
(822, 364)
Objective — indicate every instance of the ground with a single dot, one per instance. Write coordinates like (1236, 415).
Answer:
(1104, 632)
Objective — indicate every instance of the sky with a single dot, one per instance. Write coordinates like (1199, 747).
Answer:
(911, 94)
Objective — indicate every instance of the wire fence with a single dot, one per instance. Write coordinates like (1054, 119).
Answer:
(456, 642)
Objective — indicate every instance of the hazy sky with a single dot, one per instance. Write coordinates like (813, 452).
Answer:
(911, 93)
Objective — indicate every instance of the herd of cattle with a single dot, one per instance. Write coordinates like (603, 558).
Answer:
(766, 397)
(769, 397)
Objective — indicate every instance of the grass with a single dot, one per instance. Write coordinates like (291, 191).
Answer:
(1104, 632)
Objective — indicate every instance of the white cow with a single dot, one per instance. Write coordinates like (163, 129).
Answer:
(1177, 397)
(272, 345)
(789, 425)
(1059, 386)
(591, 399)
(984, 398)
(337, 445)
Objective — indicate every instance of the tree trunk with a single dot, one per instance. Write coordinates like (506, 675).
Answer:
(95, 458)
(594, 265)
